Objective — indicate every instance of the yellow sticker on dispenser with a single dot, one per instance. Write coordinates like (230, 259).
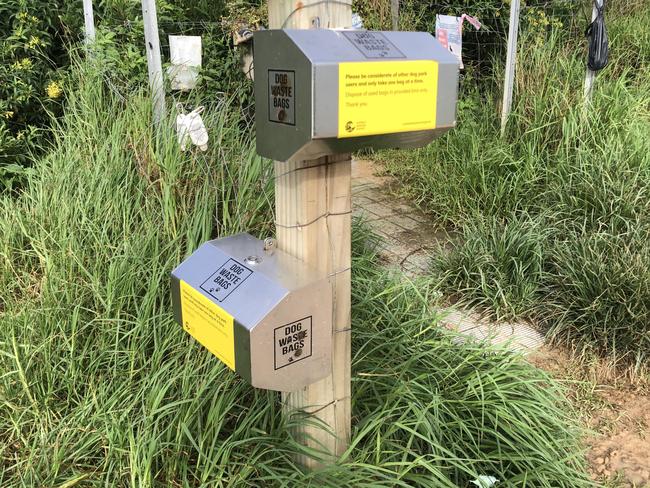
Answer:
(383, 97)
(209, 324)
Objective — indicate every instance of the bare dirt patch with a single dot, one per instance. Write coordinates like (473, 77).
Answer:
(617, 411)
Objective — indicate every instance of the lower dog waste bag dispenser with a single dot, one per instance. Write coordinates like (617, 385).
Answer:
(263, 313)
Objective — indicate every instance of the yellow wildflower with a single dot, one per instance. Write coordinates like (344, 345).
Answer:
(8, 114)
(54, 90)
(22, 16)
(33, 19)
(33, 42)
(23, 64)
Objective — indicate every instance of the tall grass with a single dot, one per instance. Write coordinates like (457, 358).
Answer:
(99, 387)
(499, 267)
(555, 216)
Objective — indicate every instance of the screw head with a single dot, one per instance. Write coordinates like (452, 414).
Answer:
(253, 260)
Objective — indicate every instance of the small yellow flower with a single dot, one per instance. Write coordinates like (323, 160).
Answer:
(54, 90)
(24, 64)
(8, 114)
(33, 42)
(22, 16)
(33, 19)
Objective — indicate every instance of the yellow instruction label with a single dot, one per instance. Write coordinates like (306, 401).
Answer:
(383, 97)
(209, 324)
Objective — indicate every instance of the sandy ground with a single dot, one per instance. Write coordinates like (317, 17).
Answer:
(617, 412)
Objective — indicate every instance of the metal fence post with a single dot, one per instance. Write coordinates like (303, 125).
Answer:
(511, 60)
(590, 77)
(89, 22)
(152, 47)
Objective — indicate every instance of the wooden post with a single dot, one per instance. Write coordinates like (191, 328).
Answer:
(313, 223)
(590, 77)
(89, 22)
(511, 59)
(152, 47)
(394, 14)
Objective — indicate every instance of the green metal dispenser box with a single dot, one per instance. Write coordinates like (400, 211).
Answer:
(263, 313)
(320, 91)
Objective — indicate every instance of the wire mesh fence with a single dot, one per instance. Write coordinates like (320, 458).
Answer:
(409, 237)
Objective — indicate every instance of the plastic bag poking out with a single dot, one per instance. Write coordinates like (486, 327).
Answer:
(485, 481)
(598, 43)
(190, 127)
(357, 21)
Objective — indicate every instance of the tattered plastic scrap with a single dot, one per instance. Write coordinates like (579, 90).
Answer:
(449, 31)
(190, 127)
(357, 21)
(485, 481)
(598, 41)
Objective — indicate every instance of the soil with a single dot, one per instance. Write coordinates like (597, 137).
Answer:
(617, 412)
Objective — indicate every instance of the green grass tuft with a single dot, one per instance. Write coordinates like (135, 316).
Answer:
(499, 266)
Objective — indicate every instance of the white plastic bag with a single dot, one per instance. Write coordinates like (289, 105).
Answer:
(484, 481)
(185, 54)
(190, 127)
(357, 21)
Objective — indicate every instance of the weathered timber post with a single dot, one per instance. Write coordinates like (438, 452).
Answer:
(394, 14)
(313, 223)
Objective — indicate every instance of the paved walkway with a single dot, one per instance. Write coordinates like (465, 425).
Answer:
(409, 239)
(407, 233)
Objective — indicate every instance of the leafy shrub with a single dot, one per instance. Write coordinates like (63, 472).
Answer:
(121, 44)
(34, 58)
(599, 294)
(497, 265)
(31, 86)
(438, 412)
